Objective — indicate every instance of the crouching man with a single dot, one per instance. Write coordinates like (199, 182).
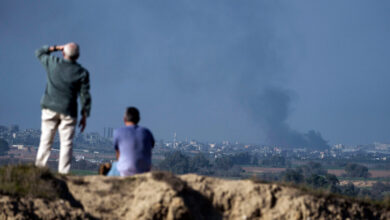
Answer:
(133, 145)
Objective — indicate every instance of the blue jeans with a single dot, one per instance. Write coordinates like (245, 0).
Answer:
(114, 170)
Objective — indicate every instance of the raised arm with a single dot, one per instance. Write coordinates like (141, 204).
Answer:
(43, 54)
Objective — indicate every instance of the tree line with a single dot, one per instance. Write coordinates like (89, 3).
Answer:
(312, 174)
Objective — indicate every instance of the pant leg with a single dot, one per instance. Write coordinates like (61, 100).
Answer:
(50, 121)
(66, 129)
(114, 170)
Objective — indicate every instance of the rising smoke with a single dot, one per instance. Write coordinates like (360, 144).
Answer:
(270, 109)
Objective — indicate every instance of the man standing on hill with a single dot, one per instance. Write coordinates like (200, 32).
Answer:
(66, 80)
(133, 145)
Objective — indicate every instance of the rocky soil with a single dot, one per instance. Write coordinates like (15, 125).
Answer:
(160, 195)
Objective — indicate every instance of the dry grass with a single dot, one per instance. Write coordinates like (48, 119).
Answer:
(30, 181)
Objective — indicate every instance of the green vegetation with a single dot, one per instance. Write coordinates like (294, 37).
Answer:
(356, 170)
(244, 158)
(175, 162)
(178, 163)
(4, 146)
(30, 181)
(313, 175)
(275, 161)
(308, 174)
(200, 164)
(83, 172)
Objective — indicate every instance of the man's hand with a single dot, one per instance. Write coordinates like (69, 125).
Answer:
(83, 123)
(60, 47)
(56, 48)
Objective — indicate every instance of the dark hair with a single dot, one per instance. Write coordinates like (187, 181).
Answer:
(132, 114)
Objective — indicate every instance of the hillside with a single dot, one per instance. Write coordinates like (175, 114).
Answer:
(161, 195)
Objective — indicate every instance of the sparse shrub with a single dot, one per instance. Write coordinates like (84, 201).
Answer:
(30, 181)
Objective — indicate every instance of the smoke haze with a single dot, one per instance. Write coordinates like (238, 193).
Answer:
(255, 71)
(271, 109)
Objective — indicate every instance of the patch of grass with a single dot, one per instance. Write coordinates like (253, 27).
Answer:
(30, 181)
(83, 172)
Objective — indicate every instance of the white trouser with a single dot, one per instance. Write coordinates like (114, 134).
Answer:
(66, 127)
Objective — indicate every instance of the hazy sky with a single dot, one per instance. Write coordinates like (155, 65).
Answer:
(211, 70)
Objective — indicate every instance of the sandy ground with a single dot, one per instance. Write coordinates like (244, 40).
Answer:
(164, 196)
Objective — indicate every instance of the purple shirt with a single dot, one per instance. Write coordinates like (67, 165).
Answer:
(135, 145)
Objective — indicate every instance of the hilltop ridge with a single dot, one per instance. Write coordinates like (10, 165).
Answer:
(161, 195)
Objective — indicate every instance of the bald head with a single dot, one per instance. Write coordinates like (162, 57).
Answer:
(71, 51)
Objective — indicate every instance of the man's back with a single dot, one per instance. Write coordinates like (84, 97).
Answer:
(135, 145)
(66, 79)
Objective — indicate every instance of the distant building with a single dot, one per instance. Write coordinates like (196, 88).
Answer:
(338, 146)
(108, 132)
(13, 128)
(92, 137)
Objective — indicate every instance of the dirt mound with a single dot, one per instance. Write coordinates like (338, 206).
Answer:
(161, 195)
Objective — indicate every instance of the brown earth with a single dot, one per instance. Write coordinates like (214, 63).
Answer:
(359, 183)
(373, 173)
(263, 169)
(160, 195)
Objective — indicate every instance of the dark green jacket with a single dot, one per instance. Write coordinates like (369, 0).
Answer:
(66, 80)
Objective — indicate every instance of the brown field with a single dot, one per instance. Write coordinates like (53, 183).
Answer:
(263, 169)
(337, 172)
(374, 173)
(380, 173)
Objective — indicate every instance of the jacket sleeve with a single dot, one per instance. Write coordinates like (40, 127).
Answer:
(85, 96)
(43, 55)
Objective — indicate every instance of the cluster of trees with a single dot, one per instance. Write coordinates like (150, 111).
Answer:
(180, 163)
(311, 174)
(275, 161)
(354, 170)
(378, 191)
(244, 158)
(315, 176)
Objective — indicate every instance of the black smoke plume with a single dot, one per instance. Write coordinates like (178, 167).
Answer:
(270, 109)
